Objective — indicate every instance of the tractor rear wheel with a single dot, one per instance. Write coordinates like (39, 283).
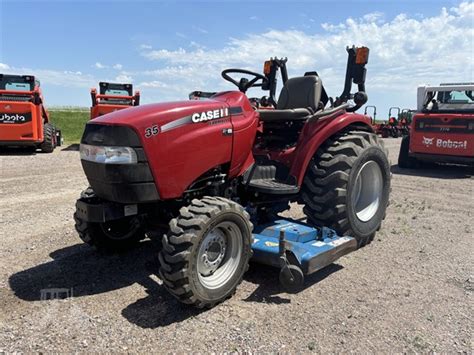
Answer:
(49, 142)
(347, 185)
(113, 236)
(206, 251)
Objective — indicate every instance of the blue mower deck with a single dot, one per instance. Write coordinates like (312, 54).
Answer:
(313, 247)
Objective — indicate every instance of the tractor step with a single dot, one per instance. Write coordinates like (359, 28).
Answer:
(293, 245)
(271, 177)
(272, 186)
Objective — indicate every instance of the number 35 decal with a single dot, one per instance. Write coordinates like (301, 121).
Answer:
(151, 131)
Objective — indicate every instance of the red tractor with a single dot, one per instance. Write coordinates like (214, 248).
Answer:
(391, 129)
(24, 121)
(377, 127)
(210, 172)
(442, 130)
(404, 121)
(112, 97)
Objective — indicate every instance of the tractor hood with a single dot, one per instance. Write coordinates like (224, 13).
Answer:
(182, 139)
(164, 114)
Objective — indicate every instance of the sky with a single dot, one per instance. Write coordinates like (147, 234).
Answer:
(170, 48)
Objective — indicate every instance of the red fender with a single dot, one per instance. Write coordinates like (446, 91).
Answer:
(316, 133)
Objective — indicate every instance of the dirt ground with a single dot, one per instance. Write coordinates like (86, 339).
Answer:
(410, 290)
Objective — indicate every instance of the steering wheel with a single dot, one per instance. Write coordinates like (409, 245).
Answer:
(244, 84)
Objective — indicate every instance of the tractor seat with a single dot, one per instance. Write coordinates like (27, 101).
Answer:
(299, 100)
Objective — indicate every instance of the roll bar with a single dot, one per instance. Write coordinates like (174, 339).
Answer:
(357, 58)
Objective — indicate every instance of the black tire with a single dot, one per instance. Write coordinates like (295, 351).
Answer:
(291, 278)
(395, 132)
(330, 181)
(385, 133)
(49, 142)
(114, 236)
(404, 159)
(186, 238)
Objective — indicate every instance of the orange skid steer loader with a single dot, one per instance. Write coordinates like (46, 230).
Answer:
(24, 121)
(112, 97)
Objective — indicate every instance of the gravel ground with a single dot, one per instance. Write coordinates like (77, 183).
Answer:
(410, 290)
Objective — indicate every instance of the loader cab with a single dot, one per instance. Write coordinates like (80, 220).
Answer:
(20, 88)
(116, 90)
(112, 97)
(19, 83)
(455, 100)
(446, 98)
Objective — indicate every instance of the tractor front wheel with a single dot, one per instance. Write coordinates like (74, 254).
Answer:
(113, 236)
(206, 251)
(347, 185)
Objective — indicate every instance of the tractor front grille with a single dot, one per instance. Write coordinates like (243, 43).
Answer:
(122, 183)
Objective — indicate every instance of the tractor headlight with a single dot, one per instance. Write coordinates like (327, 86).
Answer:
(108, 155)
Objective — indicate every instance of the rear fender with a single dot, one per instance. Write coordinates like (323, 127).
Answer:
(314, 134)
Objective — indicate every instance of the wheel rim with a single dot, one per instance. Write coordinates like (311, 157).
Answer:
(219, 255)
(119, 229)
(367, 191)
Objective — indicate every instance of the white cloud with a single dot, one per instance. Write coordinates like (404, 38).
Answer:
(201, 30)
(62, 78)
(404, 52)
(124, 78)
(99, 65)
(153, 84)
(374, 17)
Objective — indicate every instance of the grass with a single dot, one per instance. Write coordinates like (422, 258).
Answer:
(71, 123)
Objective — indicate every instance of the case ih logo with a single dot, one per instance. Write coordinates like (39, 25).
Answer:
(15, 118)
(441, 143)
(428, 141)
(209, 115)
